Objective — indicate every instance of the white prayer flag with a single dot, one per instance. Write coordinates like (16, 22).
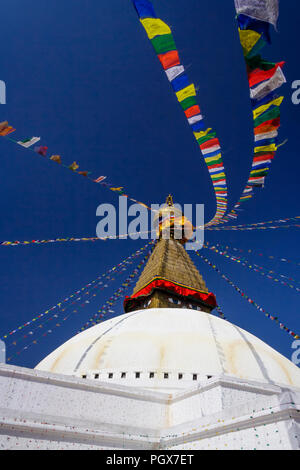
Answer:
(263, 162)
(267, 135)
(263, 10)
(210, 149)
(194, 119)
(216, 170)
(173, 72)
(266, 87)
(29, 142)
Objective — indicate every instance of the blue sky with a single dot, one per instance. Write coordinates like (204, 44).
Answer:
(84, 77)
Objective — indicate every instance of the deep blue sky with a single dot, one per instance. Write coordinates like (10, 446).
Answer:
(83, 75)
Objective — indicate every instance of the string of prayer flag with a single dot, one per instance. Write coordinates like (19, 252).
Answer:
(82, 299)
(265, 227)
(268, 274)
(107, 307)
(71, 297)
(274, 317)
(161, 37)
(251, 251)
(254, 19)
(27, 143)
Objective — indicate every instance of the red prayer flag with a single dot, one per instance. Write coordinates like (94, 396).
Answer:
(267, 126)
(218, 165)
(258, 75)
(221, 181)
(265, 156)
(210, 143)
(5, 129)
(169, 59)
(41, 150)
(192, 111)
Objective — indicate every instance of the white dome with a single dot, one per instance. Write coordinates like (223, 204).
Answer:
(147, 347)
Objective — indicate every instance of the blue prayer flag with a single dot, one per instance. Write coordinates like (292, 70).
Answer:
(198, 126)
(261, 27)
(144, 9)
(180, 82)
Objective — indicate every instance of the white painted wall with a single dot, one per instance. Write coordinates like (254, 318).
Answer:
(52, 411)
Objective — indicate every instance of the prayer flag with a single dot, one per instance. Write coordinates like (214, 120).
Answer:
(73, 166)
(267, 135)
(164, 43)
(41, 150)
(257, 76)
(271, 114)
(5, 129)
(29, 142)
(276, 102)
(199, 135)
(248, 40)
(263, 89)
(263, 10)
(192, 111)
(180, 82)
(187, 92)
(173, 72)
(266, 148)
(144, 9)
(195, 119)
(267, 126)
(245, 22)
(101, 178)
(155, 27)
(169, 59)
(56, 158)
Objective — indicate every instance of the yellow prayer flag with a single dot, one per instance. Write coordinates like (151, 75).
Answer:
(198, 135)
(211, 159)
(74, 166)
(258, 111)
(155, 27)
(254, 172)
(266, 148)
(55, 158)
(222, 174)
(186, 92)
(248, 39)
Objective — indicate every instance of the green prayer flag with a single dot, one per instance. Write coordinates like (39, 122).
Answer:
(217, 161)
(260, 173)
(164, 43)
(188, 102)
(257, 62)
(258, 46)
(272, 113)
(207, 137)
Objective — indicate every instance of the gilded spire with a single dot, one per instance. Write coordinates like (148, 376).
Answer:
(170, 278)
(169, 200)
(170, 222)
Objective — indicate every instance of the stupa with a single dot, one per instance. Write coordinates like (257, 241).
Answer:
(165, 374)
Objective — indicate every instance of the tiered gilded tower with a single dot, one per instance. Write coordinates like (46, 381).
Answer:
(170, 278)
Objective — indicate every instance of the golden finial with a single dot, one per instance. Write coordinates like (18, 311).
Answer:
(169, 200)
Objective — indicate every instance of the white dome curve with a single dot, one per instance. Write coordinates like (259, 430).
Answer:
(169, 343)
